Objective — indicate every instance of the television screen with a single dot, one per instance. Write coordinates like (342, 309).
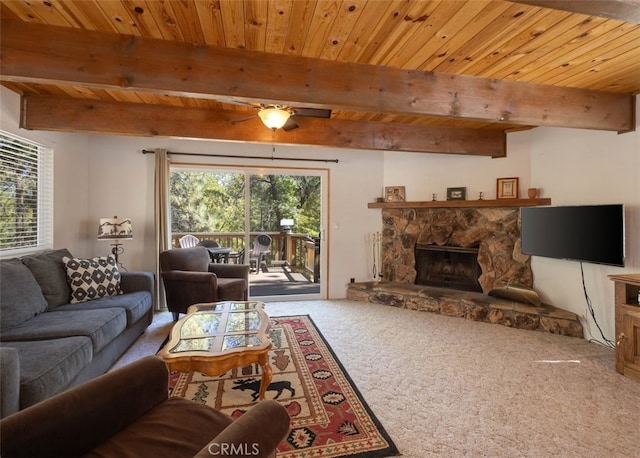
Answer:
(589, 233)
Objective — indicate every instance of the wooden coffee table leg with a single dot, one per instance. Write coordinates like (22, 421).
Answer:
(266, 374)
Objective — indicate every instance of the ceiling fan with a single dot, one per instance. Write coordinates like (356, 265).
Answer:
(281, 116)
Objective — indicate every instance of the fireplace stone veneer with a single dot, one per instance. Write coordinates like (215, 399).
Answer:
(494, 231)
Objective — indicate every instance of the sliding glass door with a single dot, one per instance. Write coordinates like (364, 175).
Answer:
(272, 219)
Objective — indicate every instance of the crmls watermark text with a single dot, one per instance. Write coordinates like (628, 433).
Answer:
(225, 449)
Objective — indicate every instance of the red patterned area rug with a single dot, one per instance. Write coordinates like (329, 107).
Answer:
(329, 417)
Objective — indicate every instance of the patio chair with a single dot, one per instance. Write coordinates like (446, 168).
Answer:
(188, 241)
(237, 257)
(209, 244)
(257, 255)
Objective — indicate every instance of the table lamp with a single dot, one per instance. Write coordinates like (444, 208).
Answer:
(115, 229)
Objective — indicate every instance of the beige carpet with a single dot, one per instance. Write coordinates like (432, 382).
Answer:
(450, 387)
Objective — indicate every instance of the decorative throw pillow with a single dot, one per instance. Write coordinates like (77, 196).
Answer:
(92, 278)
(20, 296)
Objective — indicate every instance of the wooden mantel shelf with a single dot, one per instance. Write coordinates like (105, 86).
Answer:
(463, 203)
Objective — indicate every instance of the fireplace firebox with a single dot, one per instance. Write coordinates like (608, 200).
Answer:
(448, 267)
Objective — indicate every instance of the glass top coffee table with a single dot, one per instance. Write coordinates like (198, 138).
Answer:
(216, 337)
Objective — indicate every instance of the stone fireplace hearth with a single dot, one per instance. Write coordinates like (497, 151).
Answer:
(469, 305)
(494, 232)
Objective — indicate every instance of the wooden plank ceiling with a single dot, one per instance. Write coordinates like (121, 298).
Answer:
(440, 76)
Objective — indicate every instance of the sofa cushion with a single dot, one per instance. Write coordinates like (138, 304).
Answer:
(232, 289)
(92, 278)
(48, 366)
(9, 381)
(167, 430)
(136, 305)
(100, 325)
(49, 272)
(20, 295)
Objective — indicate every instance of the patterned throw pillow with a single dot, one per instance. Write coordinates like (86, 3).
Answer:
(92, 278)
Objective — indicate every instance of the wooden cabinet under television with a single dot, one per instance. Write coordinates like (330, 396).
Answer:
(627, 290)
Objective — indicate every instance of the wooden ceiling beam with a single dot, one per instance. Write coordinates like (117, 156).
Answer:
(50, 54)
(622, 10)
(54, 113)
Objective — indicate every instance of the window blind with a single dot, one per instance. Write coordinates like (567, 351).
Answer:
(26, 196)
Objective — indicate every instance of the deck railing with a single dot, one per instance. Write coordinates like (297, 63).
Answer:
(299, 251)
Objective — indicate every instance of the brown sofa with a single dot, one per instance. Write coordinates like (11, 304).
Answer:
(127, 413)
(190, 277)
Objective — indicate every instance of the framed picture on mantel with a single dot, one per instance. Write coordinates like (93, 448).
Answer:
(394, 194)
(456, 193)
(507, 188)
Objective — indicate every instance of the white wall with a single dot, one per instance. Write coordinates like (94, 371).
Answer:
(586, 167)
(571, 167)
(425, 174)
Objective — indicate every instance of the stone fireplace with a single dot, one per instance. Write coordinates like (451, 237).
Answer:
(466, 251)
(452, 235)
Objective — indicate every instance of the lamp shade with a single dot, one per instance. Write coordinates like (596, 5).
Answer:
(274, 118)
(115, 228)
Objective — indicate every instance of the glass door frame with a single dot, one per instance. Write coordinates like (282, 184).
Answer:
(248, 170)
(323, 173)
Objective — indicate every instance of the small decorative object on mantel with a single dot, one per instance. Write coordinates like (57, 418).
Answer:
(532, 193)
(394, 194)
(480, 195)
(434, 197)
(507, 188)
(456, 193)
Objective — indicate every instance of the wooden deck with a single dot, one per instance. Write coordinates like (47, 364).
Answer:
(280, 281)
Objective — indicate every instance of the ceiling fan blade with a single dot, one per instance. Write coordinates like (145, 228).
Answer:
(312, 112)
(240, 103)
(290, 125)
(246, 118)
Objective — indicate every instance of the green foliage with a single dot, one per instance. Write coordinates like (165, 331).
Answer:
(206, 202)
(18, 194)
(214, 202)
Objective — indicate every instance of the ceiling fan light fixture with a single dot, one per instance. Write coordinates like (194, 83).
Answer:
(274, 118)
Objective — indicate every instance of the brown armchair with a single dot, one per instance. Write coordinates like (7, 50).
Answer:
(127, 413)
(190, 277)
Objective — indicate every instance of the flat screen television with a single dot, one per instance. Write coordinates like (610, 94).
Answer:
(589, 233)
